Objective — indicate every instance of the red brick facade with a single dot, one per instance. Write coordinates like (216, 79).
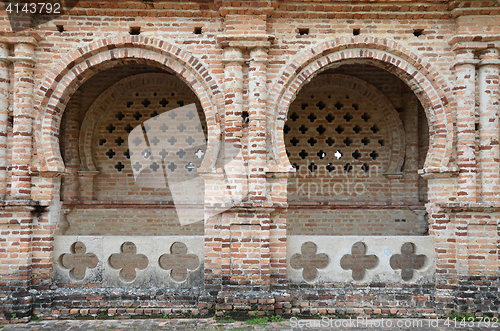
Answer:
(370, 125)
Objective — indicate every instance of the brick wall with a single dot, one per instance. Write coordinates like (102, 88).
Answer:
(421, 72)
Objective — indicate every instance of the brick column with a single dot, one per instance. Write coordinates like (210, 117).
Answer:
(258, 124)
(4, 115)
(23, 120)
(466, 134)
(71, 124)
(233, 158)
(488, 81)
(411, 160)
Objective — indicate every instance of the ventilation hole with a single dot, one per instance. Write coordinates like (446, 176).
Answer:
(137, 94)
(128, 128)
(172, 166)
(356, 155)
(163, 102)
(172, 94)
(137, 166)
(147, 127)
(154, 166)
(303, 31)
(365, 167)
(476, 126)
(197, 30)
(347, 97)
(312, 117)
(129, 104)
(180, 103)
(154, 114)
(312, 96)
(365, 117)
(137, 115)
(303, 129)
(330, 118)
(102, 142)
(304, 106)
(347, 141)
(110, 153)
(303, 154)
(135, 30)
(321, 105)
(312, 141)
(119, 166)
(321, 129)
(375, 128)
(321, 154)
(338, 105)
(338, 154)
(357, 129)
(127, 153)
(245, 117)
(155, 94)
(294, 141)
(348, 117)
(339, 129)
(355, 106)
(294, 117)
(348, 167)
(381, 142)
(374, 155)
(146, 103)
(288, 153)
(330, 141)
(418, 32)
(355, 32)
(119, 141)
(60, 28)
(119, 116)
(330, 167)
(329, 96)
(312, 167)
(286, 129)
(110, 128)
(296, 166)
(365, 141)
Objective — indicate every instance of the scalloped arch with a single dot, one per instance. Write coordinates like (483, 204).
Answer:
(430, 88)
(77, 67)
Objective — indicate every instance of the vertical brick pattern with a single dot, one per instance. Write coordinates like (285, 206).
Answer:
(23, 119)
(465, 92)
(4, 115)
(258, 124)
(489, 148)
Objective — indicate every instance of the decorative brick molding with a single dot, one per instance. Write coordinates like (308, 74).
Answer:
(431, 89)
(77, 67)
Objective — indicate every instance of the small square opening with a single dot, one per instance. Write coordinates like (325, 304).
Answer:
(356, 32)
(60, 28)
(135, 30)
(303, 31)
(197, 30)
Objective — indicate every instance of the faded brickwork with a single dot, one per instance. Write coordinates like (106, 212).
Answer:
(350, 158)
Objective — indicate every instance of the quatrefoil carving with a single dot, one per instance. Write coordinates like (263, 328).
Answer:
(78, 261)
(128, 260)
(179, 261)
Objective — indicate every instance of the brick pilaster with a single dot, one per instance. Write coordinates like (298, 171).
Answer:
(23, 120)
(258, 124)
(488, 81)
(465, 96)
(4, 115)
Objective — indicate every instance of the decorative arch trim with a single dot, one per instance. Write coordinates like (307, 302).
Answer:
(430, 88)
(77, 67)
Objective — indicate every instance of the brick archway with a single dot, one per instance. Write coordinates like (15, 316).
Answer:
(80, 65)
(430, 88)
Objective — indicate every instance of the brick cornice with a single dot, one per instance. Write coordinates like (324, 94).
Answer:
(246, 41)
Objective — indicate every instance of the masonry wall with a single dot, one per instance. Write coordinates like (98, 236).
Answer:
(414, 88)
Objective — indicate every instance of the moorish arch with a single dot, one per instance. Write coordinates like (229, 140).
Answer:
(85, 62)
(429, 87)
